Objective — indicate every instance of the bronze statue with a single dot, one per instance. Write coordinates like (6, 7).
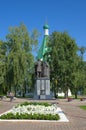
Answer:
(42, 69)
(45, 69)
(38, 68)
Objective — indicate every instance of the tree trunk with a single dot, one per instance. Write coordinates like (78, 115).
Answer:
(23, 94)
(66, 94)
(23, 91)
(75, 94)
(15, 90)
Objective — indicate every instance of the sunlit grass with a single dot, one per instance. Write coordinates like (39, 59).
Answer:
(83, 107)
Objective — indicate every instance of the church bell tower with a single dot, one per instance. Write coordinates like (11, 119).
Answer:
(44, 48)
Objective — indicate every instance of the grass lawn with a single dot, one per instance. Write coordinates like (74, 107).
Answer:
(83, 107)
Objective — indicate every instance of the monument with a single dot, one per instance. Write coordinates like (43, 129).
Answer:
(42, 70)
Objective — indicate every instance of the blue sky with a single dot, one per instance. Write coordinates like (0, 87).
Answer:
(61, 15)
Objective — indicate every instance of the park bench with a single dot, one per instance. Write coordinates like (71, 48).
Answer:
(82, 99)
(1, 97)
(70, 99)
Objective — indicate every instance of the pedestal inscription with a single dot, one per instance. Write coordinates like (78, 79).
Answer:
(38, 87)
(42, 88)
(47, 87)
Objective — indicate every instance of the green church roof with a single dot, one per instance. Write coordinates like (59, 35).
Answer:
(43, 48)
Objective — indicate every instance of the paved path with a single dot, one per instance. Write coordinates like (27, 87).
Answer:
(76, 116)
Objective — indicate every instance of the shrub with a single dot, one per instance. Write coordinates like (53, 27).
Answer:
(30, 116)
(35, 103)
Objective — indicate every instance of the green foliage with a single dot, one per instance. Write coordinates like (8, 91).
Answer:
(67, 70)
(16, 59)
(30, 116)
(35, 103)
(79, 76)
(62, 59)
(2, 66)
(83, 107)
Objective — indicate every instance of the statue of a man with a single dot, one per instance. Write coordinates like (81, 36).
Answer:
(38, 68)
(46, 70)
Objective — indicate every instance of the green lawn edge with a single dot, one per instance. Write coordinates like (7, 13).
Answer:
(83, 107)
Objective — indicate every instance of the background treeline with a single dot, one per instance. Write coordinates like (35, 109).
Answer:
(68, 68)
(16, 60)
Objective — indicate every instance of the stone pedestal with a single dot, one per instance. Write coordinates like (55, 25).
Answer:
(42, 88)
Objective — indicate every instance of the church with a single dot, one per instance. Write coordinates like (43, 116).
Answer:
(42, 85)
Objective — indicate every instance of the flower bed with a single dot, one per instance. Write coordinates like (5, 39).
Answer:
(36, 111)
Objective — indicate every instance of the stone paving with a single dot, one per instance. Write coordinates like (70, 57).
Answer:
(76, 116)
